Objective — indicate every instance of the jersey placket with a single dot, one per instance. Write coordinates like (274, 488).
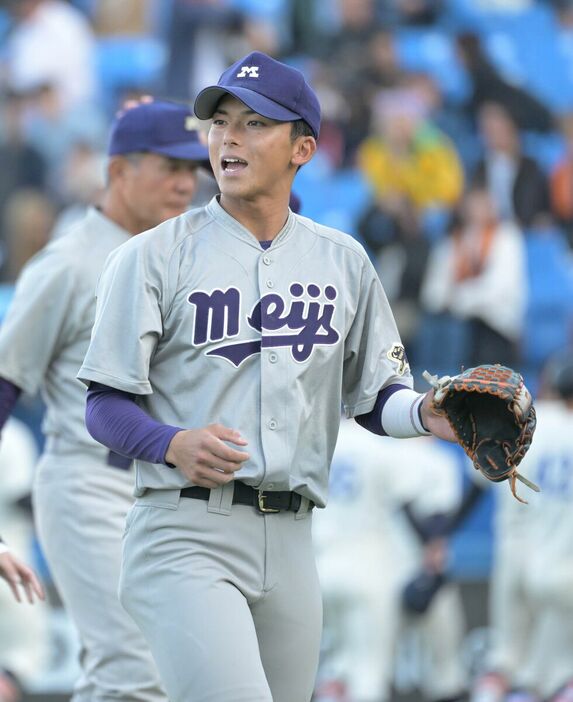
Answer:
(274, 374)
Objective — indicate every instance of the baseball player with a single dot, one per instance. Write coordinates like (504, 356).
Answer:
(531, 598)
(366, 551)
(224, 344)
(82, 491)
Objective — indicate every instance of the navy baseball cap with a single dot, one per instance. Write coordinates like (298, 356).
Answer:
(270, 88)
(160, 127)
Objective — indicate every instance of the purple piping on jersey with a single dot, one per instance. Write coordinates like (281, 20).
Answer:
(116, 421)
(9, 394)
(265, 244)
(373, 419)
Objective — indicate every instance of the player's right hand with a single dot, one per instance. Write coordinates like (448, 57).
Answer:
(17, 575)
(204, 457)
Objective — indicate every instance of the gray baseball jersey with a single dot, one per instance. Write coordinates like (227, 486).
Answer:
(204, 326)
(46, 332)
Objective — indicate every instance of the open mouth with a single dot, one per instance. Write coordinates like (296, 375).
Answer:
(233, 165)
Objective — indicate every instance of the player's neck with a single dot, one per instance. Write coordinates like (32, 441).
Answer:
(263, 218)
(113, 208)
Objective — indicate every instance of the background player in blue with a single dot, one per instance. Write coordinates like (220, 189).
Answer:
(81, 492)
(225, 342)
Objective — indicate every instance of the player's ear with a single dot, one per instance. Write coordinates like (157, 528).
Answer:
(304, 149)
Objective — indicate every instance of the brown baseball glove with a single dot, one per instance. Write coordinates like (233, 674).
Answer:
(491, 413)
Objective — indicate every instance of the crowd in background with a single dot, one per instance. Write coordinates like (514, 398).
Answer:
(446, 145)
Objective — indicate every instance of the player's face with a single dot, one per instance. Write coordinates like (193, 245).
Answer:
(254, 157)
(156, 188)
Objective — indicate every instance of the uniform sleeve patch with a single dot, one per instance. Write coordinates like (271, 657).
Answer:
(397, 355)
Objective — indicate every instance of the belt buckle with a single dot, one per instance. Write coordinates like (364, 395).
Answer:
(262, 506)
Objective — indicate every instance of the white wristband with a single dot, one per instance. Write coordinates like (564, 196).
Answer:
(3, 548)
(400, 416)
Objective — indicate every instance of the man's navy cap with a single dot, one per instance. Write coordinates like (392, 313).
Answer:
(160, 127)
(270, 88)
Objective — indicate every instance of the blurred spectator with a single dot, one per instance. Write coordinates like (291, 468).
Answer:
(478, 274)
(564, 9)
(515, 181)
(126, 17)
(357, 25)
(408, 157)
(28, 220)
(382, 69)
(392, 232)
(310, 24)
(51, 43)
(356, 60)
(22, 164)
(488, 85)
(561, 183)
(419, 12)
(204, 37)
(448, 118)
(54, 132)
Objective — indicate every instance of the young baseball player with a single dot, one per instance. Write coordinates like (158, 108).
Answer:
(225, 342)
(82, 491)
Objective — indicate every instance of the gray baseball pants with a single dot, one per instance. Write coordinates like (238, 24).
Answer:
(80, 504)
(227, 598)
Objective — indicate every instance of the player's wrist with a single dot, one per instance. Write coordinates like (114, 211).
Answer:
(401, 416)
(172, 449)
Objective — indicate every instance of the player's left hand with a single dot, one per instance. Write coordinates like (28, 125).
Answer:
(18, 575)
(436, 423)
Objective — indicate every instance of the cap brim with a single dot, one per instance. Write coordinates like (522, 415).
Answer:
(208, 99)
(184, 150)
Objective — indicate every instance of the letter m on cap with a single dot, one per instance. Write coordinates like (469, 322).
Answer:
(250, 71)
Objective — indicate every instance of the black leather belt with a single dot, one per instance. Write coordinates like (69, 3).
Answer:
(264, 501)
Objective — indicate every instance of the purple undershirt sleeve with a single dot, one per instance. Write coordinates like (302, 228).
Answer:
(9, 394)
(373, 419)
(115, 420)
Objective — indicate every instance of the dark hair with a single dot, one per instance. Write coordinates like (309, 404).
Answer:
(300, 128)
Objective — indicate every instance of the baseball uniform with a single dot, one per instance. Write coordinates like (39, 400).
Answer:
(240, 314)
(202, 325)
(531, 597)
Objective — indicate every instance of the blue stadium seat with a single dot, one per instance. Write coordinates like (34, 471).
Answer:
(549, 315)
(335, 199)
(129, 62)
(431, 51)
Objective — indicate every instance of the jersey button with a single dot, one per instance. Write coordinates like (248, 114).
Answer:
(273, 358)
(270, 284)
(272, 424)
(267, 260)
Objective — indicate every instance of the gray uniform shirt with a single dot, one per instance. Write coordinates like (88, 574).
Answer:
(204, 326)
(46, 333)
